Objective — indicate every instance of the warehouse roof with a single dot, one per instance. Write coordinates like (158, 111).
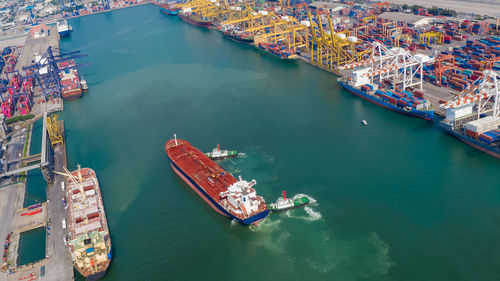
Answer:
(403, 17)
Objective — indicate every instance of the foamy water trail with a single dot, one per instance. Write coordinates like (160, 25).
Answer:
(242, 155)
(311, 199)
(265, 225)
(313, 215)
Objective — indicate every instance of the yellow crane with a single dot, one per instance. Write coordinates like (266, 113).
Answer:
(405, 37)
(429, 37)
(53, 129)
(288, 31)
(329, 49)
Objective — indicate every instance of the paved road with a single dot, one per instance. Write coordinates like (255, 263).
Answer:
(59, 267)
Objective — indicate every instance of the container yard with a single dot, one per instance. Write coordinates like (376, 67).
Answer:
(386, 56)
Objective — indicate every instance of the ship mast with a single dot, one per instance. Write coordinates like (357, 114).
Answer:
(175, 138)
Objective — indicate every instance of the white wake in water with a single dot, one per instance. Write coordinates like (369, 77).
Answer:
(312, 215)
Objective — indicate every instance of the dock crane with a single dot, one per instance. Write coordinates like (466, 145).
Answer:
(105, 5)
(46, 70)
(33, 19)
(74, 8)
(484, 90)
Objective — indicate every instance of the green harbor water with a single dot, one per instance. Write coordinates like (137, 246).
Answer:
(32, 246)
(36, 186)
(395, 200)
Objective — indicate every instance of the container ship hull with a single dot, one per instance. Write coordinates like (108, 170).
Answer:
(238, 40)
(424, 114)
(477, 144)
(72, 94)
(290, 58)
(91, 242)
(195, 21)
(211, 199)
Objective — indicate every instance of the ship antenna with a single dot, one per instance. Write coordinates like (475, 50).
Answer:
(175, 138)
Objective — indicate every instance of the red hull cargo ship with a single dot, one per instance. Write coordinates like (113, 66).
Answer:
(228, 196)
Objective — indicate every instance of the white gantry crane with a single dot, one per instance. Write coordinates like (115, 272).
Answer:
(395, 64)
(485, 92)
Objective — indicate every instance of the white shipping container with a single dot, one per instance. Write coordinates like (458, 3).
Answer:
(305, 22)
(264, 13)
(341, 35)
(64, 224)
(62, 186)
(353, 39)
(483, 125)
(459, 112)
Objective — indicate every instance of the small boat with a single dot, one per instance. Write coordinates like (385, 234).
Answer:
(84, 86)
(283, 203)
(63, 28)
(221, 154)
(364, 122)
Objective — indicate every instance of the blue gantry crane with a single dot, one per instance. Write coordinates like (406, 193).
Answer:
(74, 9)
(33, 19)
(46, 70)
(105, 5)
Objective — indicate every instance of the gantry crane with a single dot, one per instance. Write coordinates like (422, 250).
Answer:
(330, 49)
(46, 71)
(287, 31)
(33, 19)
(396, 64)
(484, 90)
(442, 64)
(432, 36)
(54, 130)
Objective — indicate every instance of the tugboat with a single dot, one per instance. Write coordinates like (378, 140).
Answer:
(283, 203)
(221, 154)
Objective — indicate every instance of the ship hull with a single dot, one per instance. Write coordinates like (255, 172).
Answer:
(168, 12)
(491, 150)
(64, 33)
(424, 114)
(99, 267)
(266, 52)
(72, 95)
(96, 276)
(238, 40)
(211, 202)
(187, 19)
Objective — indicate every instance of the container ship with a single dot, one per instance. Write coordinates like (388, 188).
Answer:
(238, 36)
(405, 102)
(168, 8)
(277, 51)
(482, 134)
(90, 241)
(195, 19)
(236, 199)
(63, 28)
(71, 87)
